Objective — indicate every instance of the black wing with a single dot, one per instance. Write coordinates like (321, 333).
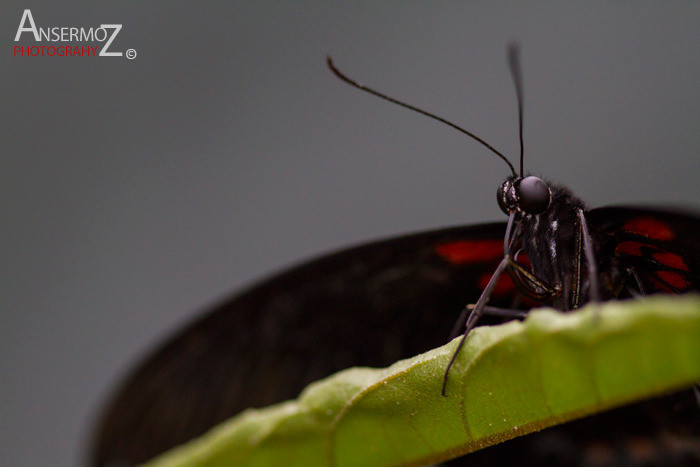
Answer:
(660, 247)
(366, 306)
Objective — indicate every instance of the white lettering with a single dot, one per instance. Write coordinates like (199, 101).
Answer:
(27, 15)
(103, 52)
(45, 33)
(86, 36)
(69, 34)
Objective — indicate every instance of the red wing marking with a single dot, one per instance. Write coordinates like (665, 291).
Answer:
(630, 248)
(673, 279)
(650, 228)
(504, 286)
(671, 260)
(471, 251)
(524, 261)
(660, 285)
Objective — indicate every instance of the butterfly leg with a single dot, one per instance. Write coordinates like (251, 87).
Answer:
(475, 315)
(487, 310)
(468, 310)
(504, 312)
(593, 292)
(635, 290)
(637, 281)
(530, 285)
(472, 314)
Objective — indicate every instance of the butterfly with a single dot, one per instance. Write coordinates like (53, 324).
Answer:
(377, 303)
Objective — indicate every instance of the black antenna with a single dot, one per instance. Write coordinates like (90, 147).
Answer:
(516, 73)
(351, 82)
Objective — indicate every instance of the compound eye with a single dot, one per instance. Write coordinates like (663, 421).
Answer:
(534, 195)
(506, 197)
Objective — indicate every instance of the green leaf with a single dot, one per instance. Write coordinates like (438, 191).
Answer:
(508, 380)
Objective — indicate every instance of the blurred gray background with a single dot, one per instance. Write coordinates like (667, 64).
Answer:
(135, 193)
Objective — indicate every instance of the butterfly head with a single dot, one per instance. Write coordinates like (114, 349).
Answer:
(529, 195)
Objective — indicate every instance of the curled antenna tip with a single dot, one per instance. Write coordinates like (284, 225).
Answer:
(362, 87)
(339, 74)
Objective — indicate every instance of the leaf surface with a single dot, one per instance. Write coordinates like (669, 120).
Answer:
(508, 380)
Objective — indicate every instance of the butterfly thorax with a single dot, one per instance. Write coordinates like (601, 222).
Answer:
(552, 242)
